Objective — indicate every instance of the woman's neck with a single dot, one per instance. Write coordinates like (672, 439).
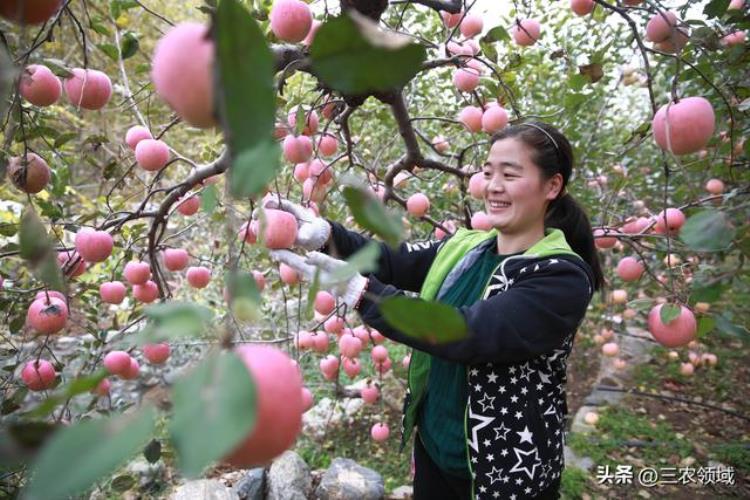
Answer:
(514, 243)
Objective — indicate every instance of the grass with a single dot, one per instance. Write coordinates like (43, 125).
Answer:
(573, 483)
(658, 443)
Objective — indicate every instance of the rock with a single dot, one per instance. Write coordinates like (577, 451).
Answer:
(402, 493)
(573, 460)
(345, 479)
(205, 489)
(252, 485)
(330, 413)
(289, 478)
(146, 472)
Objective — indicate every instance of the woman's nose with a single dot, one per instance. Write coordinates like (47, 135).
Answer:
(495, 183)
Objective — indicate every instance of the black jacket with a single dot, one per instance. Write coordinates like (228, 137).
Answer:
(521, 334)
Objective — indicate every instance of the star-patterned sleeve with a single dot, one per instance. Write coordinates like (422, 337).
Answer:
(531, 318)
(405, 267)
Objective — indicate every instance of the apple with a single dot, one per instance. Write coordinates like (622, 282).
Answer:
(369, 393)
(471, 25)
(151, 154)
(146, 292)
(117, 362)
(135, 135)
(47, 315)
(137, 272)
(94, 246)
(630, 269)
(34, 177)
(291, 20)
(325, 303)
(278, 407)
(418, 204)
(112, 292)
(280, 229)
(691, 125)
(189, 205)
(471, 117)
(198, 276)
(526, 32)
(379, 432)
(678, 332)
(182, 70)
(88, 89)
(29, 11)
(175, 259)
(156, 353)
(38, 375)
(39, 85)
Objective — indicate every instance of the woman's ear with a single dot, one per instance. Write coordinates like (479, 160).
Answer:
(554, 185)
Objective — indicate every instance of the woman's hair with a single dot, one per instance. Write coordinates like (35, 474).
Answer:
(553, 154)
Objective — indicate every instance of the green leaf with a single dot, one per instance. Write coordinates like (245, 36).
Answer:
(8, 73)
(350, 53)
(214, 409)
(705, 325)
(669, 313)
(373, 216)
(32, 237)
(73, 388)
(362, 261)
(254, 168)
(123, 483)
(246, 103)
(152, 451)
(170, 320)
(110, 50)
(725, 325)
(312, 291)
(708, 231)
(49, 272)
(242, 285)
(428, 321)
(79, 455)
(715, 8)
(710, 293)
(129, 45)
(209, 199)
(496, 34)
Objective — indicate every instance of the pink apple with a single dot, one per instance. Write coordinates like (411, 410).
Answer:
(526, 32)
(494, 118)
(94, 246)
(175, 259)
(471, 25)
(146, 292)
(151, 154)
(47, 316)
(117, 362)
(156, 353)
(291, 20)
(198, 276)
(471, 117)
(88, 89)
(630, 269)
(481, 221)
(678, 332)
(39, 85)
(38, 375)
(418, 204)
(112, 292)
(137, 272)
(691, 125)
(135, 135)
(189, 205)
(369, 393)
(325, 303)
(380, 432)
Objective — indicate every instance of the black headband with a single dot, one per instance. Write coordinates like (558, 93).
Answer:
(554, 142)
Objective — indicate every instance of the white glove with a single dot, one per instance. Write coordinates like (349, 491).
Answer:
(312, 232)
(346, 286)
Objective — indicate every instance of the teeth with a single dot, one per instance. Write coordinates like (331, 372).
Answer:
(499, 204)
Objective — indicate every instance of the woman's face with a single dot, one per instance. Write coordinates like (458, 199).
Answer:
(515, 194)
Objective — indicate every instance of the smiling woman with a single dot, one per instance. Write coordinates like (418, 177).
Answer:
(490, 408)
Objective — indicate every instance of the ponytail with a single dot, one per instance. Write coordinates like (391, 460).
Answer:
(566, 214)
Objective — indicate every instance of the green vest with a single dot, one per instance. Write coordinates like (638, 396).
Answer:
(447, 257)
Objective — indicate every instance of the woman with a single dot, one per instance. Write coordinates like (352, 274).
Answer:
(489, 409)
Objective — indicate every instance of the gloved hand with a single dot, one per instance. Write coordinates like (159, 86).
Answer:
(346, 286)
(312, 232)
